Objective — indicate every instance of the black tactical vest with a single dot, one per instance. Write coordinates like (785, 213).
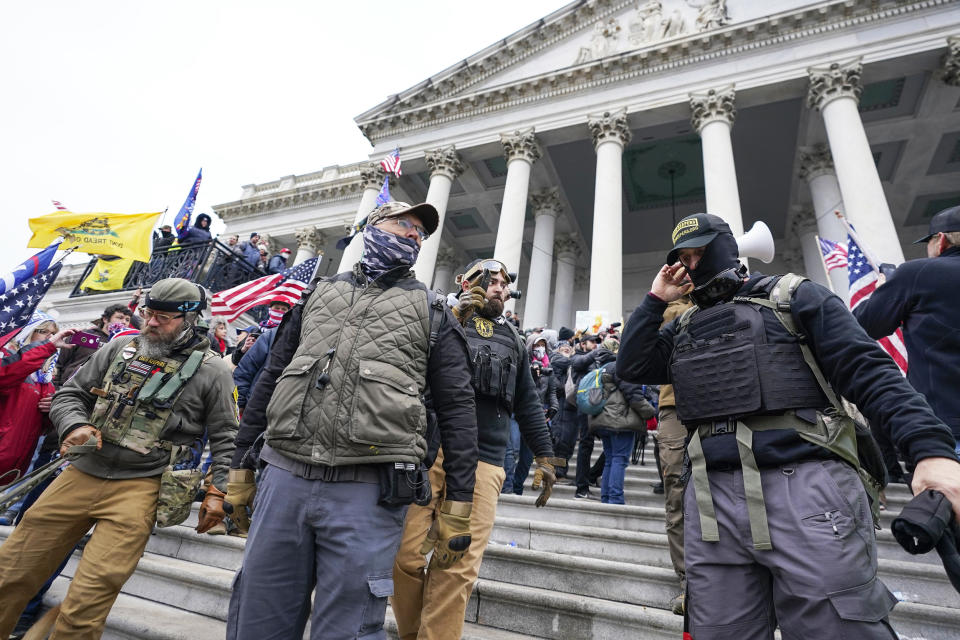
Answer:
(736, 359)
(496, 356)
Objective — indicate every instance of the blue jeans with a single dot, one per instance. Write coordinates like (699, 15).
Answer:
(617, 447)
(511, 456)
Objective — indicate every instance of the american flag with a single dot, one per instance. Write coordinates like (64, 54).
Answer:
(863, 282)
(19, 303)
(391, 162)
(384, 196)
(287, 285)
(834, 254)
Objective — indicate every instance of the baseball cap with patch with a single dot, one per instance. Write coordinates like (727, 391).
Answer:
(695, 231)
(427, 214)
(944, 222)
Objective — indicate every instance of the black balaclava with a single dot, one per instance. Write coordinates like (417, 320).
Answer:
(719, 255)
(719, 274)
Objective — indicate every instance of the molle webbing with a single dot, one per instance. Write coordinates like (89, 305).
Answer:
(835, 432)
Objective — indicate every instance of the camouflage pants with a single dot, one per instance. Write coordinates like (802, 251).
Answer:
(123, 512)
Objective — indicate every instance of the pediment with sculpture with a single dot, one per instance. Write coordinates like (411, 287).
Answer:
(651, 23)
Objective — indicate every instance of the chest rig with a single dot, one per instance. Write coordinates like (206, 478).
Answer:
(728, 378)
(496, 355)
(138, 394)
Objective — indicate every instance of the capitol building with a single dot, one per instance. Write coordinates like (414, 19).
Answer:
(569, 149)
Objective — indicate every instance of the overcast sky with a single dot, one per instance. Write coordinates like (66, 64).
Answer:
(114, 106)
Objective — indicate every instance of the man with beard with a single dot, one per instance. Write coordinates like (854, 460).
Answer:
(430, 602)
(341, 406)
(777, 528)
(145, 401)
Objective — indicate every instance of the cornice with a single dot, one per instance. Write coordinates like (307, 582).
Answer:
(669, 55)
(307, 191)
(499, 57)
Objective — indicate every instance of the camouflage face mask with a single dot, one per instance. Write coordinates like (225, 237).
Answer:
(383, 251)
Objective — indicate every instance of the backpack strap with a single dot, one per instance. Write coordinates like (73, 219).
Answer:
(437, 317)
(685, 318)
(778, 301)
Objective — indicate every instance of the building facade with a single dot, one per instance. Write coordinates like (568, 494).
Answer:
(569, 149)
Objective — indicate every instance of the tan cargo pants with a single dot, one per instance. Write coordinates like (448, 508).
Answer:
(123, 511)
(671, 435)
(430, 604)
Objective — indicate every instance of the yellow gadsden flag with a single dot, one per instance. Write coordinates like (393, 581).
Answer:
(112, 234)
(108, 274)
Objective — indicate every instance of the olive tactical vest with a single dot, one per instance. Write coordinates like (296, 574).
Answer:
(138, 395)
(496, 354)
(352, 393)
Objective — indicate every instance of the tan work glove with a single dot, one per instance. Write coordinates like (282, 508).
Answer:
(240, 492)
(449, 537)
(469, 303)
(80, 435)
(544, 475)
(211, 510)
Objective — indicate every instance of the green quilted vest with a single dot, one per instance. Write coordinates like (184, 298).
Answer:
(373, 344)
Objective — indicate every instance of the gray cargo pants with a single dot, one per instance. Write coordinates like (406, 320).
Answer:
(820, 579)
(310, 533)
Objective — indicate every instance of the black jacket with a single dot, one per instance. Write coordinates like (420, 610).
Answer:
(448, 376)
(852, 362)
(581, 363)
(922, 295)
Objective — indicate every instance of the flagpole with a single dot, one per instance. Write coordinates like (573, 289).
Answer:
(823, 263)
(871, 259)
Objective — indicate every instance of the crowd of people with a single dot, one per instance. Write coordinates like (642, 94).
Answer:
(362, 437)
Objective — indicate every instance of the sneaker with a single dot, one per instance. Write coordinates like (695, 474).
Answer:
(658, 488)
(585, 495)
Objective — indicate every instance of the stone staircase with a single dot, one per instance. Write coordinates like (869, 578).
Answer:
(574, 569)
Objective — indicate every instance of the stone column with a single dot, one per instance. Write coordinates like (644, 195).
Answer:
(371, 177)
(521, 150)
(443, 272)
(445, 166)
(835, 92)
(310, 242)
(950, 73)
(713, 113)
(803, 227)
(816, 169)
(567, 251)
(546, 207)
(610, 132)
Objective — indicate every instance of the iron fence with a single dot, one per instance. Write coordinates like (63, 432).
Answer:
(211, 264)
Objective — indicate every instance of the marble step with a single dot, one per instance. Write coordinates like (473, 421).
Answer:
(133, 618)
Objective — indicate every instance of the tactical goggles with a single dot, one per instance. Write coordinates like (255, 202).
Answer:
(493, 266)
